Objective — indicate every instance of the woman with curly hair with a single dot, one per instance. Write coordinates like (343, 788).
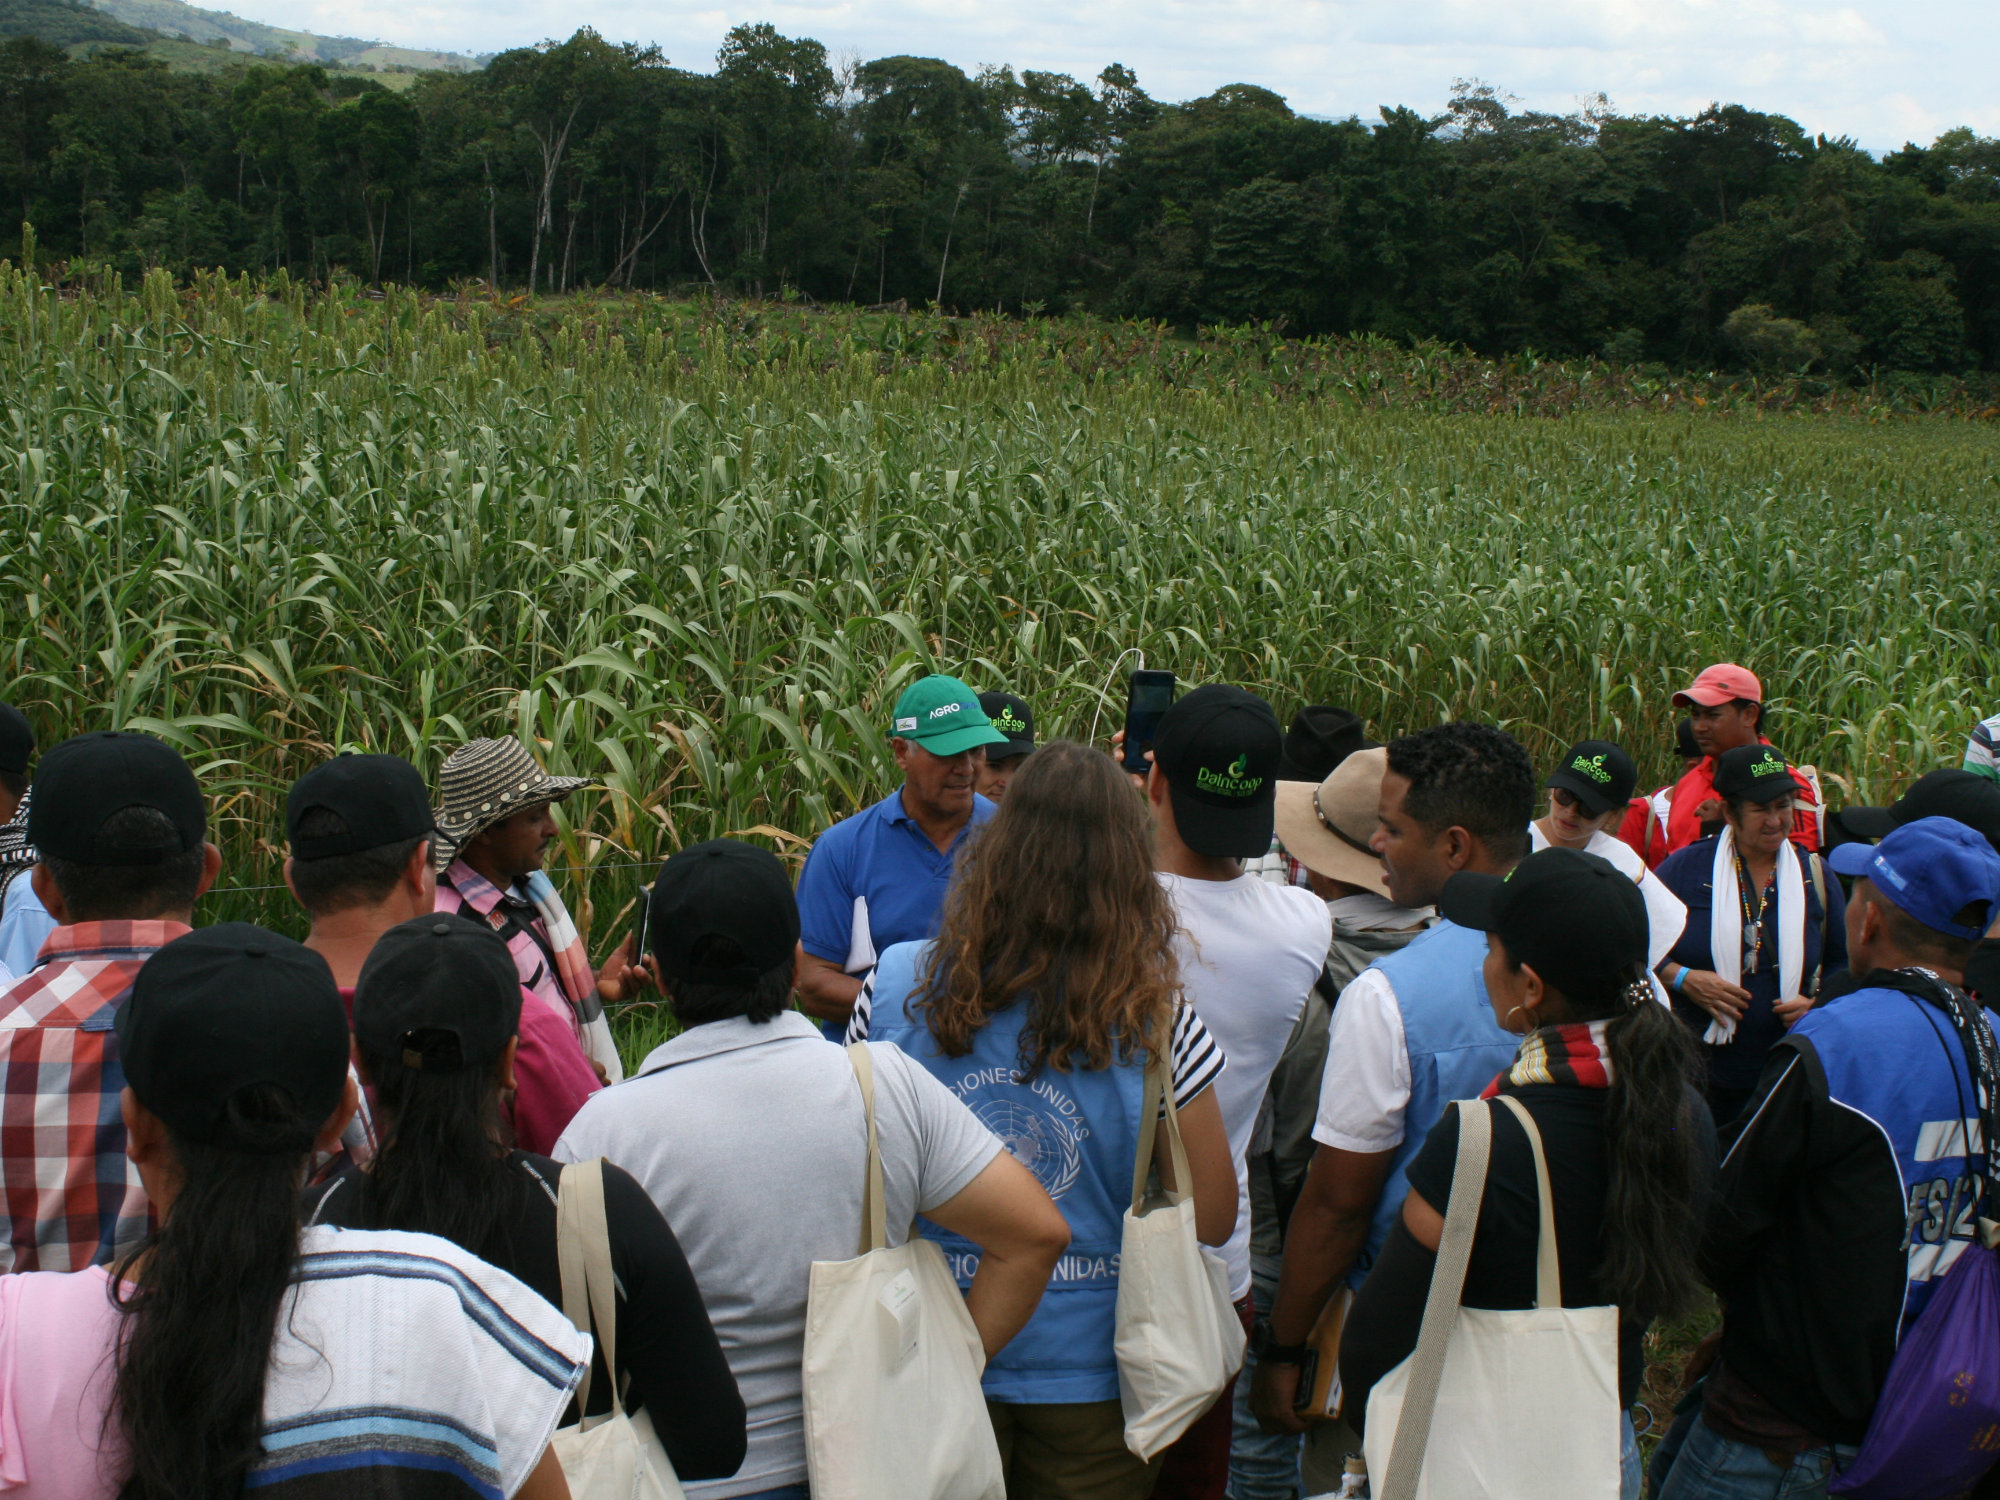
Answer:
(1049, 990)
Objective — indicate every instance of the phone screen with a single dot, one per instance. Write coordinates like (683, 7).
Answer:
(1149, 697)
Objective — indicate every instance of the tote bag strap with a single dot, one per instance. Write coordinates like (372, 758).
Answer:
(1461, 1218)
(583, 1250)
(1158, 1097)
(874, 1207)
(1548, 1267)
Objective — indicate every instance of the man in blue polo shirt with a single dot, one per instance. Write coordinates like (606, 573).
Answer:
(879, 877)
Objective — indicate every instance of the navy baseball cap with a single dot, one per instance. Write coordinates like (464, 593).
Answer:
(1936, 869)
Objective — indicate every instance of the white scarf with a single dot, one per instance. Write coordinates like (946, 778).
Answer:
(1725, 926)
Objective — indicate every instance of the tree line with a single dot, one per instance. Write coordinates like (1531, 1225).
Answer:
(1731, 237)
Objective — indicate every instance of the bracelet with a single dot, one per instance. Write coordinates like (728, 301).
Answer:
(1269, 1352)
(1678, 983)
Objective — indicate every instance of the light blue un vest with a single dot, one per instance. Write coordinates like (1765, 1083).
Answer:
(1077, 1132)
(1455, 1045)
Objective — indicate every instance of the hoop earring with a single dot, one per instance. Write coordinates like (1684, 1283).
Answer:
(1513, 1013)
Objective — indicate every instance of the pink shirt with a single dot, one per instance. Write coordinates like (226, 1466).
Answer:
(56, 1345)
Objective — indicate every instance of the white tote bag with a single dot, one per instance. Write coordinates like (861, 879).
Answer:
(1178, 1338)
(892, 1364)
(613, 1456)
(1523, 1404)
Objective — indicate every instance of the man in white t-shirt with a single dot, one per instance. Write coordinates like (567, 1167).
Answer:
(1249, 952)
(1412, 1032)
(747, 1130)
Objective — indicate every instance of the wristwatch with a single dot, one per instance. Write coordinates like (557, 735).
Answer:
(1268, 1353)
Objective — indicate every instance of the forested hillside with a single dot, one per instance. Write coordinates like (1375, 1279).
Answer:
(1729, 238)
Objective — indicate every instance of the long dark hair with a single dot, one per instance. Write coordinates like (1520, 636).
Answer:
(194, 1344)
(1651, 1229)
(1056, 902)
(440, 1168)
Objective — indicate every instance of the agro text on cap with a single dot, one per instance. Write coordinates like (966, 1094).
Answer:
(1725, 682)
(943, 715)
(1573, 918)
(1947, 792)
(380, 798)
(438, 993)
(87, 780)
(1753, 773)
(1012, 717)
(1219, 749)
(1598, 774)
(722, 913)
(223, 1009)
(1936, 869)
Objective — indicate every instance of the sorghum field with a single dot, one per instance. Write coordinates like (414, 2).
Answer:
(695, 550)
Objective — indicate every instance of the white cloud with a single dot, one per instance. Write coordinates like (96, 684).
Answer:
(1880, 72)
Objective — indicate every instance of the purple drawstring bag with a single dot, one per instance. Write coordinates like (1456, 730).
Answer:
(1936, 1429)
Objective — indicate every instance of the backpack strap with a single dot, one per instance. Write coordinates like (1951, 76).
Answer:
(1817, 868)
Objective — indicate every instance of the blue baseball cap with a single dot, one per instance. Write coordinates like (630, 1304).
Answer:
(1935, 869)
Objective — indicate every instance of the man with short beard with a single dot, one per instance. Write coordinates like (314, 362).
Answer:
(878, 878)
(1411, 1033)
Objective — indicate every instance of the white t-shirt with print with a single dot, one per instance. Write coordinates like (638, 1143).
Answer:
(1249, 952)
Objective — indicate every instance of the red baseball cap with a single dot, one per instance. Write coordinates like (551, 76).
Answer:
(1724, 682)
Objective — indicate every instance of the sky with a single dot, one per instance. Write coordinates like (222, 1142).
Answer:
(1880, 72)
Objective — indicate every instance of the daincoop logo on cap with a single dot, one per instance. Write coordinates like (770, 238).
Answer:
(1008, 724)
(1231, 782)
(1770, 765)
(1593, 767)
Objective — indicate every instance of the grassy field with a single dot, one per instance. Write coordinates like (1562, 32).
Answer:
(695, 551)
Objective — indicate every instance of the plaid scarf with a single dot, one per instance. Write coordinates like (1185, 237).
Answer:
(1574, 1054)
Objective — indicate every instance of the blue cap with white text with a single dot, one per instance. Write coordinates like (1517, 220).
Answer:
(1936, 869)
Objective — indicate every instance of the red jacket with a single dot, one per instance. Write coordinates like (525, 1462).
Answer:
(1695, 788)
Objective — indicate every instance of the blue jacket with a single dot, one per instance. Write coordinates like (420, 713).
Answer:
(1688, 873)
(1078, 1132)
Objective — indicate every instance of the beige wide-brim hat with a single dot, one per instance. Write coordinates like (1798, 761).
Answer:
(488, 780)
(1326, 827)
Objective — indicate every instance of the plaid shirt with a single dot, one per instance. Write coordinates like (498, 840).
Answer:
(539, 962)
(72, 1198)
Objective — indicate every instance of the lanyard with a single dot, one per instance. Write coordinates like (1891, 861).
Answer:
(1753, 918)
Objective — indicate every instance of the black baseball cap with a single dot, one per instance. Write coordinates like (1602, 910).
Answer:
(1754, 773)
(381, 798)
(17, 740)
(86, 779)
(1944, 793)
(1219, 748)
(438, 993)
(1571, 917)
(1684, 741)
(1321, 737)
(733, 902)
(1013, 718)
(224, 1008)
(1599, 774)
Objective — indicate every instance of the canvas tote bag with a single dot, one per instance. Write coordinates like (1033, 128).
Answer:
(1178, 1337)
(610, 1457)
(892, 1364)
(1523, 1404)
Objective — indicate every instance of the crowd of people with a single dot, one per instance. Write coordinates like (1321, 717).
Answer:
(281, 1212)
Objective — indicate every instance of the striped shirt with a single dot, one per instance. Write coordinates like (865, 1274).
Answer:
(402, 1368)
(543, 968)
(1982, 751)
(72, 1199)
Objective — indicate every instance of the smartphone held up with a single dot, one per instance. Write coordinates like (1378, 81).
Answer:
(1147, 699)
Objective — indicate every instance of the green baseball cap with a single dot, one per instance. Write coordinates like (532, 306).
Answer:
(943, 715)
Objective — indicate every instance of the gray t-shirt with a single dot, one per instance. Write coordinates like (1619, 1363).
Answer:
(752, 1141)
